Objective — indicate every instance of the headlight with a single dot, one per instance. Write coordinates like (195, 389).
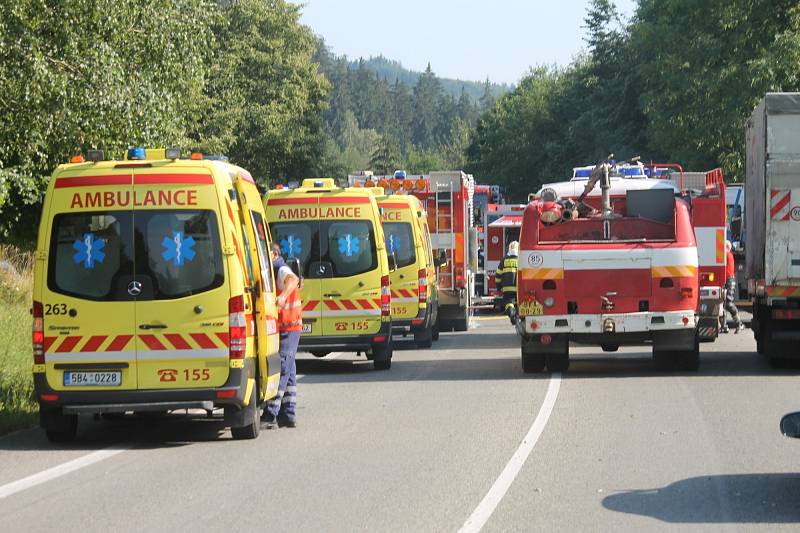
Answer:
(549, 301)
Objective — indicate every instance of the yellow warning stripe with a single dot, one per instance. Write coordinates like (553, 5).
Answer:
(542, 273)
(681, 271)
(720, 241)
(783, 291)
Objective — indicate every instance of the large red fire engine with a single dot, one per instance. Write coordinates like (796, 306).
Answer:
(609, 268)
(447, 197)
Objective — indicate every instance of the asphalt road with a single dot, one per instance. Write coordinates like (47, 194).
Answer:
(610, 445)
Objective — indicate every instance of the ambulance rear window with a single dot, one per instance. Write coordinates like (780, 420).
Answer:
(400, 241)
(89, 253)
(350, 247)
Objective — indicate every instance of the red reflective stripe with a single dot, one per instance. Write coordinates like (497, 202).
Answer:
(195, 179)
(311, 305)
(344, 199)
(377, 303)
(152, 342)
(407, 293)
(119, 342)
(94, 343)
(245, 175)
(68, 344)
(393, 205)
(780, 205)
(89, 181)
(223, 336)
(177, 341)
(330, 304)
(349, 305)
(203, 340)
(230, 211)
(291, 201)
(365, 304)
(48, 342)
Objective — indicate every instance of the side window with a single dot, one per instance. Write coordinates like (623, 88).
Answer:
(298, 239)
(248, 257)
(426, 238)
(264, 256)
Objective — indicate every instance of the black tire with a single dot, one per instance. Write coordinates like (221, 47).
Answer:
(609, 346)
(58, 427)
(319, 353)
(557, 362)
(689, 360)
(532, 363)
(462, 324)
(435, 329)
(664, 359)
(382, 356)
(424, 338)
(252, 419)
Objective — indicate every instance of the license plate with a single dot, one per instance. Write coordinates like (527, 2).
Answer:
(92, 379)
(306, 328)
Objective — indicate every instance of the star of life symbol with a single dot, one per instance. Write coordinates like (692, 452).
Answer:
(178, 248)
(88, 250)
(291, 246)
(391, 243)
(349, 245)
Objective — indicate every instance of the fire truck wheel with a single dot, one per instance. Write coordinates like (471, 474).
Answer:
(532, 362)
(663, 359)
(424, 338)
(690, 359)
(557, 362)
(319, 353)
(252, 419)
(462, 324)
(609, 346)
(382, 356)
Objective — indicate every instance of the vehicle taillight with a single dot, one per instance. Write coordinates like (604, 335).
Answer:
(386, 297)
(422, 285)
(38, 333)
(237, 328)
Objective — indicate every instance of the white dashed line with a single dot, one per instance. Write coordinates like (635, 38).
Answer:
(481, 514)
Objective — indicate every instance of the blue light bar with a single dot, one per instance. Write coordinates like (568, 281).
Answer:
(136, 153)
(400, 174)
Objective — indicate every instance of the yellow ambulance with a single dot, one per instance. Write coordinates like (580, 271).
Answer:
(153, 291)
(415, 296)
(336, 235)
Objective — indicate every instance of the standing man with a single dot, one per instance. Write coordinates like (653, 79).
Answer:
(505, 279)
(730, 291)
(280, 410)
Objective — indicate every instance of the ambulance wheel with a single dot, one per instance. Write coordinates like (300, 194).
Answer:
(435, 330)
(557, 362)
(58, 427)
(252, 419)
(382, 356)
(424, 338)
(319, 353)
(532, 362)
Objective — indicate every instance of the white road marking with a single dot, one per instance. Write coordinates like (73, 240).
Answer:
(57, 471)
(484, 510)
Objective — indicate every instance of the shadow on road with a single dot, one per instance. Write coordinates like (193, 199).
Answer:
(737, 498)
(167, 431)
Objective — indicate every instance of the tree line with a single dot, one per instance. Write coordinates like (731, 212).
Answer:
(676, 83)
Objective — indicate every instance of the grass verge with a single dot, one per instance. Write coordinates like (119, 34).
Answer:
(17, 406)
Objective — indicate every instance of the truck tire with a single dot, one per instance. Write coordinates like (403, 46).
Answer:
(58, 427)
(252, 419)
(532, 363)
(462, 323)
(557, 362)
(664, 359)
(319, 353)
(424, 338)
(382, 356)
(689, 360)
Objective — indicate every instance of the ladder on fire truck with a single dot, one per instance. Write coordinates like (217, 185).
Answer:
(444, 223)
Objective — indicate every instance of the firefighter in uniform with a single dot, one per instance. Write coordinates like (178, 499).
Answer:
(280, 410)
(730, 291)
(505, 279)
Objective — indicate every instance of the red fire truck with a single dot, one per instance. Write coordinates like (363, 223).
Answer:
(448, 200)
(500, 225)
(609, 268)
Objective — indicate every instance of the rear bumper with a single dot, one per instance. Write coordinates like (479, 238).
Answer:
(623, 323)
(115, 401)
(353, 343)
(422, 321)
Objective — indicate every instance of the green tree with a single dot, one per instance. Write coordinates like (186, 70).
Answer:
(427, 95)
(386, 156)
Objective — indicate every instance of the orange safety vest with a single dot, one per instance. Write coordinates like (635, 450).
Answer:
(289, 316)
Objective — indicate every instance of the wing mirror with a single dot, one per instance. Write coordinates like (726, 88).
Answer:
(790, 425)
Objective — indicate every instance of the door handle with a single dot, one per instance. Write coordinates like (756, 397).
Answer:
(153, 326)
(332, 295)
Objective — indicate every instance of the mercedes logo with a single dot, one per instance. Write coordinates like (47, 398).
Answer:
(135, 288)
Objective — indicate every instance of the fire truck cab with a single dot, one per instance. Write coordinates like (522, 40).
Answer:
(609, 267)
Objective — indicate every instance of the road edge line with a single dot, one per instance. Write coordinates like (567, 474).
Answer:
(57, 471)
(489, 503)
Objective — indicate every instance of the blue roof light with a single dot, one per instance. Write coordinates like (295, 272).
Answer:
(400, 174)
(136, 153)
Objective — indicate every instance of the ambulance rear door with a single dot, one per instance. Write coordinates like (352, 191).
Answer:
(295, 226)
(399, 229)
(183, 298)
(88, 314)
(349, 265)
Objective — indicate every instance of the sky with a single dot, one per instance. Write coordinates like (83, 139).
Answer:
(467, 39)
